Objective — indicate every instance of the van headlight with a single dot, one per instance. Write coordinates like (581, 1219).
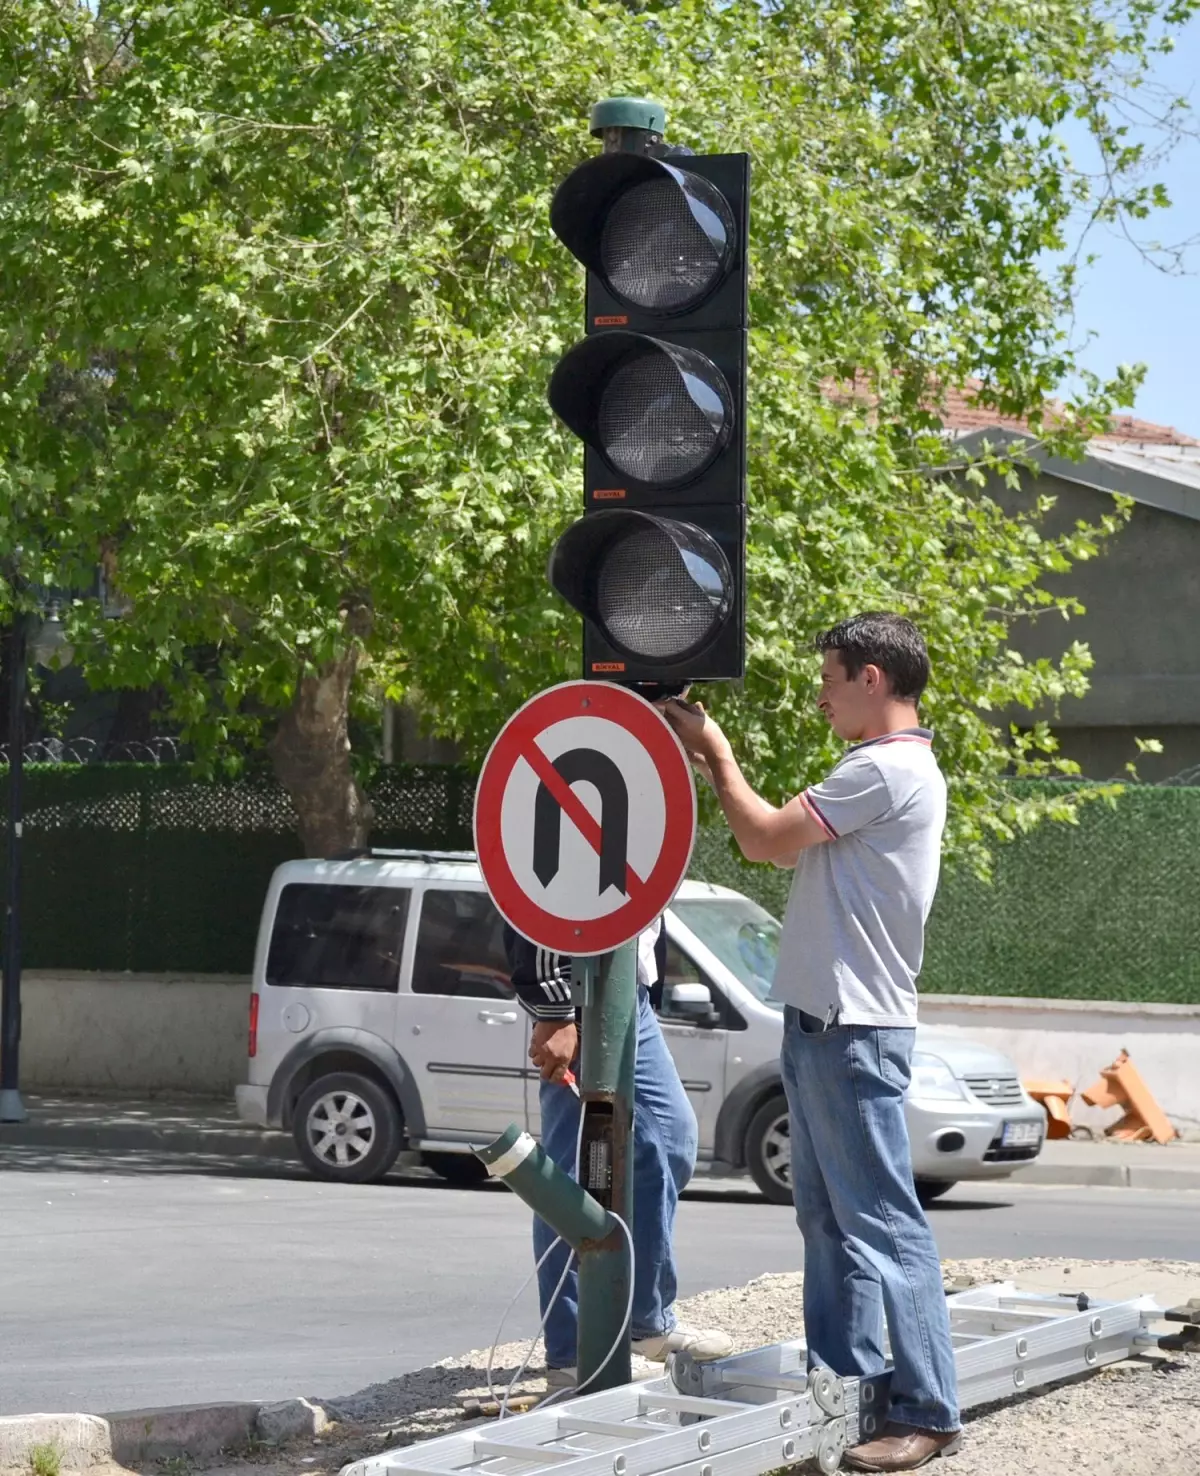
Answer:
(933, 1080)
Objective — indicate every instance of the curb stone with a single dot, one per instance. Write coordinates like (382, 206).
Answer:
(181, 1430)
(1102, 1175)
(133, 1436)
(276, 1147)
(81, 1440)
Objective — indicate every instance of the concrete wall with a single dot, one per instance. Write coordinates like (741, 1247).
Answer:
(134, 1032)
(1074, 1039)
(1141, 597)
(141, 1033)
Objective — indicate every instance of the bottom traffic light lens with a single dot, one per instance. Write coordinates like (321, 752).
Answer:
(663, 590)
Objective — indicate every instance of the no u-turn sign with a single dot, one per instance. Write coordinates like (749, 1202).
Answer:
(585, 817)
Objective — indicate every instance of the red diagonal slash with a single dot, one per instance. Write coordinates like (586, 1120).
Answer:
(574, 809)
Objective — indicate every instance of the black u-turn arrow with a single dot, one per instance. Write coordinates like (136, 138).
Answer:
(579, 765)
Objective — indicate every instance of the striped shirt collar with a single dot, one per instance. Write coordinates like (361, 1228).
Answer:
(901, 735)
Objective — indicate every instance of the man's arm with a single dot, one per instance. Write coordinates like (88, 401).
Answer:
(541, 981)
(762, 831)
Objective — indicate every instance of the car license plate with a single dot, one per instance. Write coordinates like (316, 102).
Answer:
(1021, 1134)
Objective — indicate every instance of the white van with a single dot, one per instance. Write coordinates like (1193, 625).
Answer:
(382, 1019)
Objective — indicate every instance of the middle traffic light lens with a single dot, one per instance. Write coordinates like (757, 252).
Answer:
(660, 419)
(661, 596)
(666, 242)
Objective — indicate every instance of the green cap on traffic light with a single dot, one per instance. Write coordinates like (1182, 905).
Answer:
(628, 112)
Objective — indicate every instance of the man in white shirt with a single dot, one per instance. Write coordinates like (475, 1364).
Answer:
(866, 846)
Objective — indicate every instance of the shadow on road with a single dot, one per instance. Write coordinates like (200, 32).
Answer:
(43, 1160)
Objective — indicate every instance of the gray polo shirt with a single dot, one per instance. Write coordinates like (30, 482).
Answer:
(854, 931)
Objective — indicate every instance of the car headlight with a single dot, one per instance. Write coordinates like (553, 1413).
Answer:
(933, 1080)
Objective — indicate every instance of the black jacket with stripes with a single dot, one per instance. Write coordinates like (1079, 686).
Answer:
(541, 979)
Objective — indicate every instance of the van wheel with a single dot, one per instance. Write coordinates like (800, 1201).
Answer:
(930, 1189)
(347, 1128)
(769, 1150)
(456, 1168)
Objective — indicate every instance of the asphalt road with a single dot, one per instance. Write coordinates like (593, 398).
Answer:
(124, 1289)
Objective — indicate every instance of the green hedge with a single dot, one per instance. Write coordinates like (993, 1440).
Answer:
(139, 867)
(1106, 909)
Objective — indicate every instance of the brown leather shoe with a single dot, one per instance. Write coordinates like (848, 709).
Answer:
(902, 1449)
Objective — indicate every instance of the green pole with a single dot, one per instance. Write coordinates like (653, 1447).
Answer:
(609, 1050)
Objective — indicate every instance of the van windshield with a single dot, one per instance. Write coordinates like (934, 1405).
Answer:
(743, 935)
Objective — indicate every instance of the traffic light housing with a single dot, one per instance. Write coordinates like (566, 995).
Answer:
(657, 393)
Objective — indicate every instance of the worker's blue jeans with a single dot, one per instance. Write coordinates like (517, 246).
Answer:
(868, 1248)
(664, 1157)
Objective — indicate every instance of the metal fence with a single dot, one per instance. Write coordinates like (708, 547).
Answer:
(142, 867)
(1106, 909)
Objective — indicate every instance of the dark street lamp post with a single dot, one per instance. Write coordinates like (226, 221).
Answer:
(48, 645)
(11, 1106)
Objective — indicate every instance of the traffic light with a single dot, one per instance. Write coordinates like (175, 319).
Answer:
(657, 393)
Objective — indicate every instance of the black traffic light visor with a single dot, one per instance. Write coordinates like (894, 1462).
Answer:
(661, 238)
(658, 589)
(656, 412)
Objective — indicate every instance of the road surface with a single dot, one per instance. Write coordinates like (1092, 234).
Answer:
(125, 1289)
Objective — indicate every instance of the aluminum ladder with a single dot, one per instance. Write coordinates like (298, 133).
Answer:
(760, 1411)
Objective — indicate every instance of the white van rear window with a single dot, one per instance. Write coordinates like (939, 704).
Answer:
(331, 937)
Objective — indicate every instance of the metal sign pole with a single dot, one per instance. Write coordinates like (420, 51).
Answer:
(608, 986)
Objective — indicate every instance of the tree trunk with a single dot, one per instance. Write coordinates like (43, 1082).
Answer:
(311, 756)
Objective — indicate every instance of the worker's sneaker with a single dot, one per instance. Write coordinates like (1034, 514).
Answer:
(902, 1449)
(561, 1378)
(704, 1345)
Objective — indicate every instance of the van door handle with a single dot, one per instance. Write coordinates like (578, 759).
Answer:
(498, 1017)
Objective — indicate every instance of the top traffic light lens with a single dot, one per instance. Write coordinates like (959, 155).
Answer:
(661, 239)
(666, 243)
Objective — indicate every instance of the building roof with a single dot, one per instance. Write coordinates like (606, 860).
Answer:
(1154, 464)
(962, 415)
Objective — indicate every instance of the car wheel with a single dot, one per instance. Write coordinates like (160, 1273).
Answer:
(456, 1168)
(347, 1128)
(769, 1150)
(930, 1189)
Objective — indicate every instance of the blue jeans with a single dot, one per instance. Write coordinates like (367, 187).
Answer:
(868, 1248)
(664, 1157)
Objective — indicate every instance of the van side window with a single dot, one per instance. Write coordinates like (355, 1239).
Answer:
(683, 969)
(460, 947)
(680, 970)
(331, 937)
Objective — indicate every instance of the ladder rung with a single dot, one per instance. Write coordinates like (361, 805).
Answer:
(692, 1404)
(534, 1454)
(582, 1425)
(795, 1383)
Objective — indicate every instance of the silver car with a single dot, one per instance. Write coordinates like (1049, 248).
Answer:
(382, 1019)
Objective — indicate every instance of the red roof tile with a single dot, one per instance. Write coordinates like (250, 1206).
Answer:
(961, 413)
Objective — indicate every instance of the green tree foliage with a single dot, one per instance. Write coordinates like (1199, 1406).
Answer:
(279, 302)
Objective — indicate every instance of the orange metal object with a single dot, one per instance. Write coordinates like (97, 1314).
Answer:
(1121, 1085)
(1053, 1095)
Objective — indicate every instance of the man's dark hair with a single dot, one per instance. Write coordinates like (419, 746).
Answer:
(890, 642)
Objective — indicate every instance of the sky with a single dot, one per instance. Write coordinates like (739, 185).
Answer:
(1139, 314)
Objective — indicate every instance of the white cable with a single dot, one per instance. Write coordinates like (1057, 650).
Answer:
(579, 1388)
(516, 1379)
(545, 1256)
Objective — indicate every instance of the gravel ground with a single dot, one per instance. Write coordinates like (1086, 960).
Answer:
(1126, 1421)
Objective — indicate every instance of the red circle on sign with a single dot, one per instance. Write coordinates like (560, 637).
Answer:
(648, 896)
